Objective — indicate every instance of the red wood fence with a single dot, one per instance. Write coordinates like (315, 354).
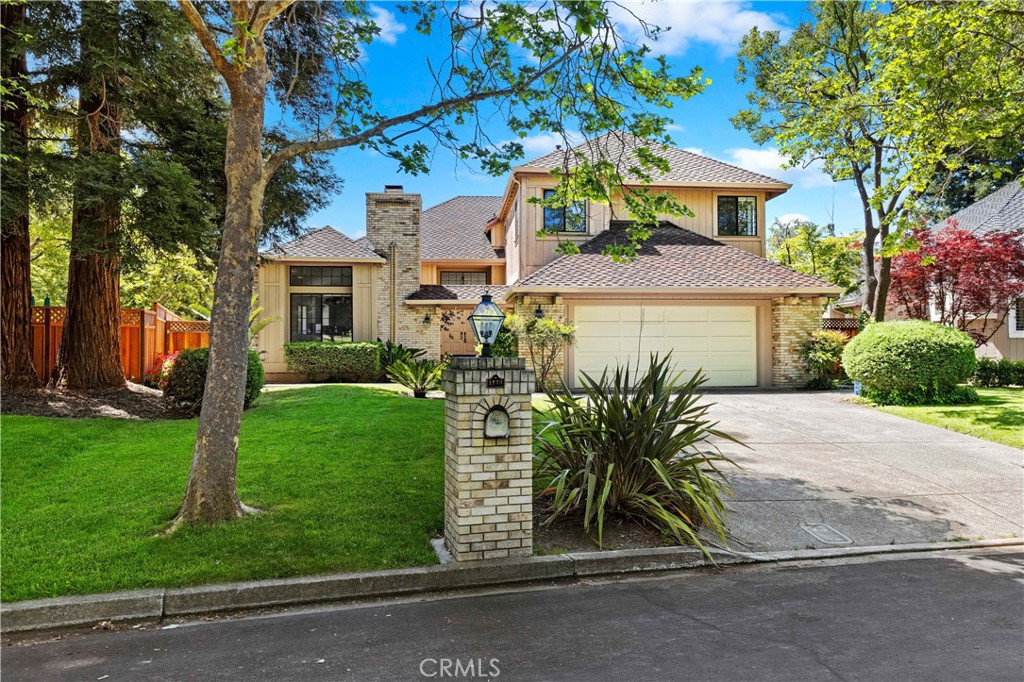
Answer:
(145, 336)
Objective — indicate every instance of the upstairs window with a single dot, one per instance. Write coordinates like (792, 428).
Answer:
(572, 218)
(463, 278)
(320, 276)
(1015, 320)
(737, 216)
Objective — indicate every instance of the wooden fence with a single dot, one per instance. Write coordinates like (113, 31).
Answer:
(145, 336)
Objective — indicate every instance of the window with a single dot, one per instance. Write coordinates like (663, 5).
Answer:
(572, 218)
(1015, 320)
(737, 216)
(463, 278)
(320, 276)
(321, 317)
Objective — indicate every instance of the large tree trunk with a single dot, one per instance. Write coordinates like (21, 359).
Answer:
(90, 347)
(212, 492)
(882, 292)
(16, 367)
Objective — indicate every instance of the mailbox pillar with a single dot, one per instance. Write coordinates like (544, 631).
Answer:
(488, 482)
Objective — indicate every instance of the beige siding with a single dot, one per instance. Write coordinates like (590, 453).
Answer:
(430, 271)
(1002, 346)
(274, 292)
(535, 252)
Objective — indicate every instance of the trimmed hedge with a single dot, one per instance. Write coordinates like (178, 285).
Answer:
(998, 373)
(912, 363)
(186, 379)
(345, 361)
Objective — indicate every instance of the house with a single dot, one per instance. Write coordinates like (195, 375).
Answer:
(700, 287)
(1002, 210)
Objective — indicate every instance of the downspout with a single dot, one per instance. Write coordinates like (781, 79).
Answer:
(392, 252)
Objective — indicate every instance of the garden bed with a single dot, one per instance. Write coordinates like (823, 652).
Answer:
(135, 401)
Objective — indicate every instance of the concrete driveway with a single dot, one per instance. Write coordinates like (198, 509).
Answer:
(823, 473)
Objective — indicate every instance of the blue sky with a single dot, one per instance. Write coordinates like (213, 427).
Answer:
(702, 33)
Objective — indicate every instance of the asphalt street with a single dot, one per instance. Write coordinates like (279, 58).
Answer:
(932, 616)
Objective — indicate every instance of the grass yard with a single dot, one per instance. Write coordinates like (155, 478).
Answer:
(998, 417)
(350, 479)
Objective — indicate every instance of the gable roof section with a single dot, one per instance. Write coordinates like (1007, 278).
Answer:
(684, 166)
(673, 258)
(1000, 211)
(324, 243)
(454, 230)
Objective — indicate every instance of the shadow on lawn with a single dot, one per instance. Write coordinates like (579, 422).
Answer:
(1005, 411)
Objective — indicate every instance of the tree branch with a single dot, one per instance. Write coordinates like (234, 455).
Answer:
(265, 13)
(209, 43)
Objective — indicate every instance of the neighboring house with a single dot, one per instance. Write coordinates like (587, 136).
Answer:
(1002, 210)
(701, 286)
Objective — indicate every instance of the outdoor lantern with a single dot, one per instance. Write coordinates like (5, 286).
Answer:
(538, 313)
(486, 321)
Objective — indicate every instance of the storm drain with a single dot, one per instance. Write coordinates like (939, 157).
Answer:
(822, 532)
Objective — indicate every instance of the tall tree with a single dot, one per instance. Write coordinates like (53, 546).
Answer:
(895, 101)
(16, 366)
(89, 354)
(535, 66)
(816, 251)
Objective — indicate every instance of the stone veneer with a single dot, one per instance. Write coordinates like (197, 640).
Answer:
(793, 320)
(488, 489)
(553, 307)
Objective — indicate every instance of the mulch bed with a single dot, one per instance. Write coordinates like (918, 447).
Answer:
(135, 401)
(567, 536)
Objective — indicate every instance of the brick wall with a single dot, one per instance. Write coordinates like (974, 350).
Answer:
(393, 227)
(553, 307)
(793, 320)
(488, 501)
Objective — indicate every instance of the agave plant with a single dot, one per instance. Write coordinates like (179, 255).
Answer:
(419, 376)
(633, 449)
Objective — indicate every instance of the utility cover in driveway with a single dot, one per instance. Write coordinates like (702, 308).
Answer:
(720, 339)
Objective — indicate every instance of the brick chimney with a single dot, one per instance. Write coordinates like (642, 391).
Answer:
(393, 229)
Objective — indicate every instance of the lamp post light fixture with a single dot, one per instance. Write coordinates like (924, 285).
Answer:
(486, 320)
(538, 313)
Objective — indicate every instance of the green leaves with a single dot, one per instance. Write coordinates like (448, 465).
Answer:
(419, 376)
(635, 448)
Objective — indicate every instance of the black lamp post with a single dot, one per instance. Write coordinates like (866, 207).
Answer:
(486, 322)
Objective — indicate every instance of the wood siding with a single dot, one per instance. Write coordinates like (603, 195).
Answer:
(534, 252)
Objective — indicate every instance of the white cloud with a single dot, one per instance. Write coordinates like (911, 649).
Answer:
(390, 27)
(770, 162)
(542, 143)
(721, 24)
(792, 218)
(696, 150)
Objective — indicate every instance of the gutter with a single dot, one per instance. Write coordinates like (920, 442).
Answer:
(739, 291)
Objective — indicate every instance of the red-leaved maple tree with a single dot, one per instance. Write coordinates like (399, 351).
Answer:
(961, 279)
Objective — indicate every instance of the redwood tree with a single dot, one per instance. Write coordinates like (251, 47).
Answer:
(960, 278)
(544, 67)
(16, 367)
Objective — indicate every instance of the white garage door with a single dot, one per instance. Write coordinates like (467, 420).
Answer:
(721, 340)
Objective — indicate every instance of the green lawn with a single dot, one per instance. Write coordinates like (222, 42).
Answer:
(350, 478)
(999, 416)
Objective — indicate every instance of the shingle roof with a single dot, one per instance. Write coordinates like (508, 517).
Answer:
(1000, 211)
(673, 257)
(684, 166)
(455, 229)
(457, 292)
(325, 242)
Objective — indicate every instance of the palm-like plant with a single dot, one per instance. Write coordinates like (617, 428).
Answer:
(636, 450)
(419, 376)
(391, 352)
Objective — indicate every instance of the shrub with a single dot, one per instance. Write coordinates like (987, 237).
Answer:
(157, 376)
(506, 345)
(390, 353)
(638, 451)
(343, 361)
(419, 376)
(543, 339)
(911, 363)
(998, 373)
(823, 358)
(186, 379)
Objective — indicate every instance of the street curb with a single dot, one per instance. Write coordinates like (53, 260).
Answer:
(156, 604)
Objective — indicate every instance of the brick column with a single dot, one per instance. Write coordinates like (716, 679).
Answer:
(793, 321)
(488, 486)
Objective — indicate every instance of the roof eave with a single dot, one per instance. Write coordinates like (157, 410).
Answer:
(757, 291)
(322, 259)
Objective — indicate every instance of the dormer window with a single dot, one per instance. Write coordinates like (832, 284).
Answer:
(737, 216)
(571, 218)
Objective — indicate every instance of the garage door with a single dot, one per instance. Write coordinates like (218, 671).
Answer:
(721, 340)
